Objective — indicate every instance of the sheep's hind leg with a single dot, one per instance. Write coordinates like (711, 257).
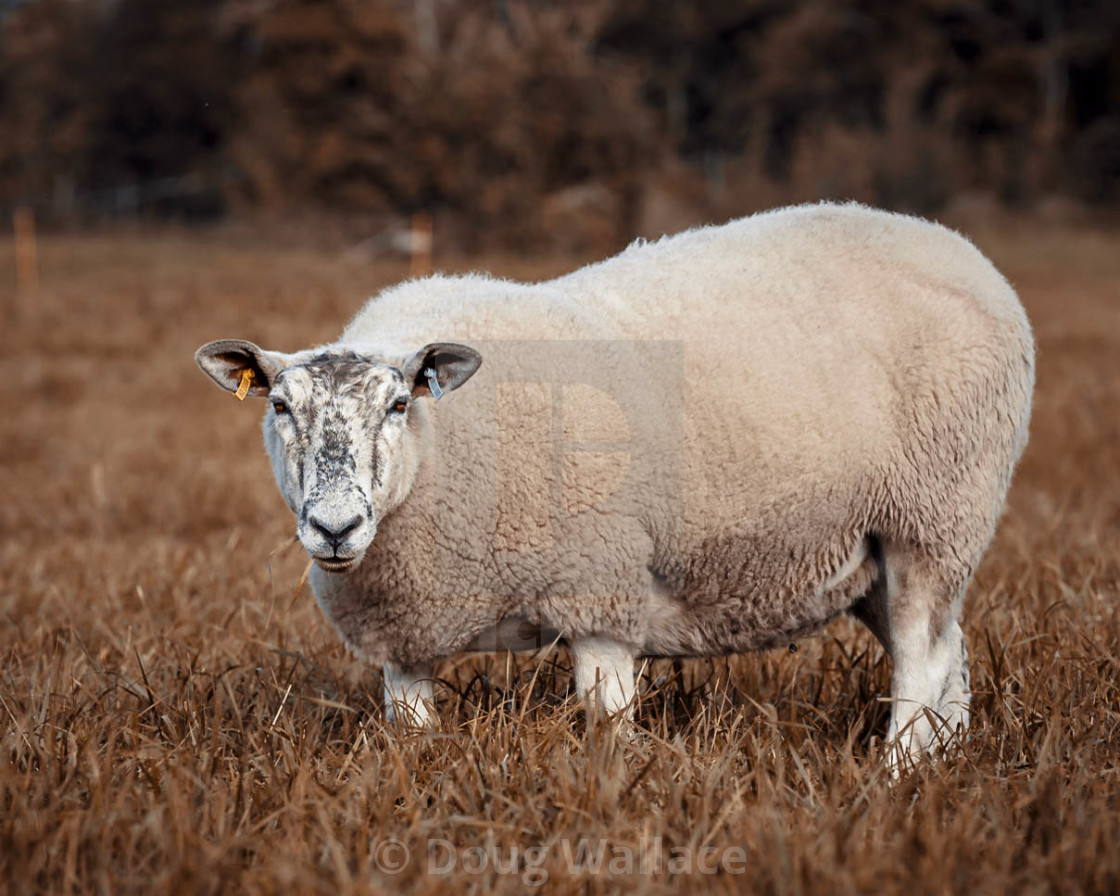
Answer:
(408, 695)
(915, 615)
(929, 689)
(604, 673)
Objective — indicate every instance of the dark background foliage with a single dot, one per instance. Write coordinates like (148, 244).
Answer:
(519, 119)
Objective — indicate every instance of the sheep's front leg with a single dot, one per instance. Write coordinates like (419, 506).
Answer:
(408, 695)
(604, 671)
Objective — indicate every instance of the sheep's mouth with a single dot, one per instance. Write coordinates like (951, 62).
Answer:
(335, 564)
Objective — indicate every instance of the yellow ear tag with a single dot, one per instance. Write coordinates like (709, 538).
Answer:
(243, 389)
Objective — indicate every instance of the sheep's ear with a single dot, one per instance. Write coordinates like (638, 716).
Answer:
(226, 360)
(440, 367)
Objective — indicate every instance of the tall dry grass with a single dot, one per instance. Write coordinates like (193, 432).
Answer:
(171, 724)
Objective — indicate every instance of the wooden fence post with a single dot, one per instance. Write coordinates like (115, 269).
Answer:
(27, 257)
(420, 245)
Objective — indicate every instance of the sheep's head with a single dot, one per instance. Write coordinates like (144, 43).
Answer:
(339, 430)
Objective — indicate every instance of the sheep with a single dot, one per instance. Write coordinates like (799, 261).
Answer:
(709, 444)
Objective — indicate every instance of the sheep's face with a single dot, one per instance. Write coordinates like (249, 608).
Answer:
(341, 433)
(342, 451)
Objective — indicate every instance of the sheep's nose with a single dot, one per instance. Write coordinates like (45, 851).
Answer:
(335, 533)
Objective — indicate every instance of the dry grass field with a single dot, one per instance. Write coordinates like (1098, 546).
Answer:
(171, 722)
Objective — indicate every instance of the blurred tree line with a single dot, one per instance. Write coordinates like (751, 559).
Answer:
(521, 119)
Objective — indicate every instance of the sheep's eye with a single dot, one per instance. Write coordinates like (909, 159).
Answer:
(280, 407)
(399, 407)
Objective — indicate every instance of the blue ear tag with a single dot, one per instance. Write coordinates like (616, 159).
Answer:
(433, 383)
